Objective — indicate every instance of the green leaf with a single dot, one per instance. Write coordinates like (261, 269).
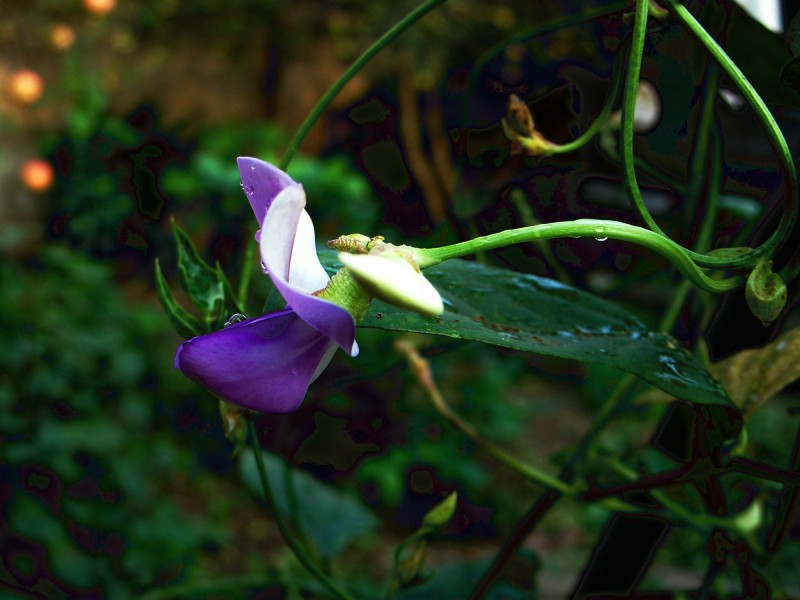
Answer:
(540, 315)
(331, 518)
(199, 280)
(184, 322)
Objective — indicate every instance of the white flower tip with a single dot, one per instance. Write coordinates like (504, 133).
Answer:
(391, 278)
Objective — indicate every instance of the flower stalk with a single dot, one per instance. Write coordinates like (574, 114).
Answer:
(299, 551)
(598, 229)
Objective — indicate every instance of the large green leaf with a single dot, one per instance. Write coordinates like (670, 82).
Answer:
(535, 314)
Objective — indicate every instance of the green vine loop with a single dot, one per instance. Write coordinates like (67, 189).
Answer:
(629, 111)
(789, 216)
(298, 550)
(598, 229)
(386, 39)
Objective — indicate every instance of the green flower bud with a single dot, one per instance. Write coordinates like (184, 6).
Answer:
(765, 293)
(750, 518)
(390, 273)
(441, 513)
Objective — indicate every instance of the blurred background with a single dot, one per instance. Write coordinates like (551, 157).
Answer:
(116, 117)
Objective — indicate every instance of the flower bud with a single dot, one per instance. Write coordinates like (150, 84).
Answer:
(355, 243)
(765, 293)
(440, 514)
(518, 126)
(390, 276)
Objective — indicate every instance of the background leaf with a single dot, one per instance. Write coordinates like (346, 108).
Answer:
(199, 280)
(330, 517)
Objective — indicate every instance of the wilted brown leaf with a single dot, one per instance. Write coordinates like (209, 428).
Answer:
(752, 377)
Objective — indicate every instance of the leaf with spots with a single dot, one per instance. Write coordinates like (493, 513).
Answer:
(540, 315)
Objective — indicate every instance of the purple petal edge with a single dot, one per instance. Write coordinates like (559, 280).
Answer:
(261, 182)
(264, 364)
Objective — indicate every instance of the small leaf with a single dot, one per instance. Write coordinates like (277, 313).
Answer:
(752, 377)
(199, 280)
(184, 322)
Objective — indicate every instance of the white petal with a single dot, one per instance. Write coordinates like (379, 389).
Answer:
(305, 270)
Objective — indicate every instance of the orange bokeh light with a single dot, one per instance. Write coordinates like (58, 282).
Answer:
(37, 174)
(99, 7)
(26, 86)
(62, 36)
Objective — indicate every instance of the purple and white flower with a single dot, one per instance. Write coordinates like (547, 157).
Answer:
(267, 363)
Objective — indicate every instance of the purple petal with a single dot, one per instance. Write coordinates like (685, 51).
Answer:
(264, 364)
(261, 182)
(278, 233)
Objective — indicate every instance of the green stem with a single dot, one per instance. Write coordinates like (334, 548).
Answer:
(584, 228)
(784, 156)
(660, 175)
(698, 166)
(299, 551)
(701, 521)
(714, 179)
(387, 38)
(247, 272)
